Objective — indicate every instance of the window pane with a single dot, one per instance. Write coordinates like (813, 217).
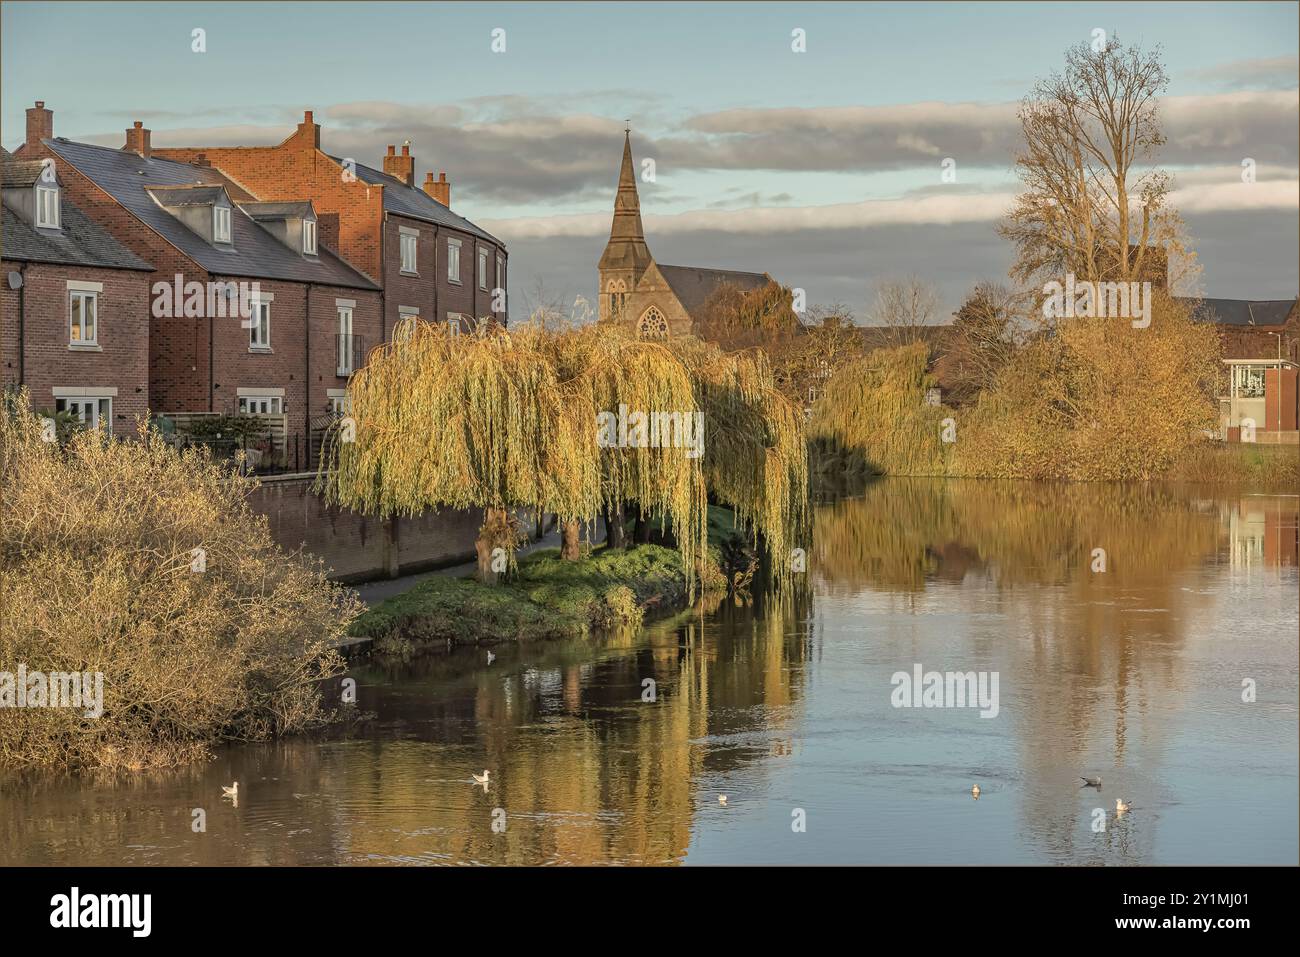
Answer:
(88, 317)
(75, 313)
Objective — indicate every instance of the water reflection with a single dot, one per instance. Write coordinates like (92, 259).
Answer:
(782, 704)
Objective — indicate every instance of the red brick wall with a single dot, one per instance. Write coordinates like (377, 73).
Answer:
(356, 547)
(353, 222)
(295, 170)
(122, 316)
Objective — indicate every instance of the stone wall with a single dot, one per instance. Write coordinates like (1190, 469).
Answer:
(356, 547)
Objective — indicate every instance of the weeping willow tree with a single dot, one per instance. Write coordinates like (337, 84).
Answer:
(874, 416)
(526, 420)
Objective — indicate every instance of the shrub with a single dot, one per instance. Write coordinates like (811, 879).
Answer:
(96, 566)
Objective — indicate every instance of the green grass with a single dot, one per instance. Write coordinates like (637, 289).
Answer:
(545, 598)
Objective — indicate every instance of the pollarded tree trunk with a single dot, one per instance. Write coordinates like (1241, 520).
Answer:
(569, 550)
(494, 519)
(615, 534)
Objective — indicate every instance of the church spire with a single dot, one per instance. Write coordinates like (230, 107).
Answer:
(626, 248)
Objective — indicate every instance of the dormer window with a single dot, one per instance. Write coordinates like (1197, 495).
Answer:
(47, 207)
(221, 224)
(309, 237)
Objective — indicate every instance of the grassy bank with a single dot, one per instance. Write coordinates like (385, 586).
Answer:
(1242, 464)
(546, 598)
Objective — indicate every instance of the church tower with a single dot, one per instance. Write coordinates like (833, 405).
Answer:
(626, 255)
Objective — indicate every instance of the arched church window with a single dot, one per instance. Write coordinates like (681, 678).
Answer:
(653, 325)
(617, 290)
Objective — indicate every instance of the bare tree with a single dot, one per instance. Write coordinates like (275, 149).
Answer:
(985, 334)
(904, 307)
(545, 309)
(1093, 205)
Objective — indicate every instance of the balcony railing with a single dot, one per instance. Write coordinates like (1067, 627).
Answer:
(351, 353)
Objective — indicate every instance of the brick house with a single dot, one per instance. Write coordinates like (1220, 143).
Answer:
(75, 304)
(429, 261)
(251, 310)
(1260, 340)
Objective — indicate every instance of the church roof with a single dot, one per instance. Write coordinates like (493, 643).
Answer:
(693, 285)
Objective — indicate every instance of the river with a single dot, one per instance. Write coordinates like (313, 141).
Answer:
(1172, 674)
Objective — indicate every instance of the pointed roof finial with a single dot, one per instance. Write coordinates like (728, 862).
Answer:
(627, 127)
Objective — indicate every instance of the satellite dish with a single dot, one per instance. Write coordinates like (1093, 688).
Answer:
(15, 280)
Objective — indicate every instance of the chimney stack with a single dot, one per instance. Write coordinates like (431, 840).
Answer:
(40, 124)
(439, 190)
(308, 131)
(137, 140)
(400, 167)
(200, 159)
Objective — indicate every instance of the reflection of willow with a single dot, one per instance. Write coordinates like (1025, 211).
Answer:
(586, 771)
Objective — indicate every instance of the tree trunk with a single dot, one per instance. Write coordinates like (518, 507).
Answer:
(641, 532)
(569, 550)
(615, 534)
(484, 545)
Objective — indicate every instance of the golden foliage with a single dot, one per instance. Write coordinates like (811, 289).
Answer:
(511, 421)
(874, 416)
(96, 572)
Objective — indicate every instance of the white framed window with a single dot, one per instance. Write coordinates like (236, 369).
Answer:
(347, 344)
(309, 237)
(261, 404)
(454, 323)
(408, 242)
(453, 260)
(47, 207)
(482, 269)
(340, 403)
(1248, 381)
(259, 335)
(83, 314)
(221, 224)
(93, 411)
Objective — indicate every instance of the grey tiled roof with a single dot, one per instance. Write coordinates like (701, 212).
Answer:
(416, 203)
(278, 210)
(186, 195)
(1240, 312)
(254, 252)
(78, 243)
(693, 286)
(18, 173)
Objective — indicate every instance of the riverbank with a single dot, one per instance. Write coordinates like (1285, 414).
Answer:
(545, 598)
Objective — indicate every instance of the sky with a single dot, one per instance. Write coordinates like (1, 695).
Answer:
(821, 167)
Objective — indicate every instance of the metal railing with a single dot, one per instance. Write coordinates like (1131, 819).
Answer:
(350, 350)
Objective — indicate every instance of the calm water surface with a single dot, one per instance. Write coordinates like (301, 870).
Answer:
(784, 704)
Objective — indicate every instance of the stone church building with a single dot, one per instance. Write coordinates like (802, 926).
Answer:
(654, 299)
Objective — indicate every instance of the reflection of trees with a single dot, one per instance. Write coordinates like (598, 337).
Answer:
(585, 771)
(1093, 659)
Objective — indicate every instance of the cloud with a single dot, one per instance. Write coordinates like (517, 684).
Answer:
(1269, 73)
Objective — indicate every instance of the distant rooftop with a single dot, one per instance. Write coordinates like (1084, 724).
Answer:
(254, 251)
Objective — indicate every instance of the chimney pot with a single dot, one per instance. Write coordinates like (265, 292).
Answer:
(392, 150)
(439, 190)
(406, 149)
(40, 124)
(137, 140)
(306, 116)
